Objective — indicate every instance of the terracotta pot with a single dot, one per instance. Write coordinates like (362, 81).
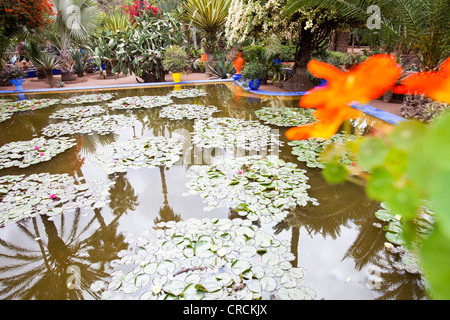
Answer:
(239, 63)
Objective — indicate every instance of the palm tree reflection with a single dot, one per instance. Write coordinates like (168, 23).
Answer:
(166, 212)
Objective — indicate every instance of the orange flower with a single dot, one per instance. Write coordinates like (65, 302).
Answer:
(434, 84)
(368, 81)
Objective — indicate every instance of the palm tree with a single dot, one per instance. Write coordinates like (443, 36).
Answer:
(75, 22)
(420, 26)
(210, 17)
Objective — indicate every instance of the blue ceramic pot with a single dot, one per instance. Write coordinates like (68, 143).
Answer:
(17, 83)
(254, 84)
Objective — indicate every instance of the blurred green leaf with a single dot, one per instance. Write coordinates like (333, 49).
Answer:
(372, 153)
(334, 173)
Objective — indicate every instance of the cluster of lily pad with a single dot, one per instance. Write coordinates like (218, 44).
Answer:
(138, 153)
(48, 194)
(205, 259)
(77, 112)
(189, 111)
(394, 234)
(88, 98)
(7, 107)
(31, 104)
(103, 124)
(24, 153)
(285, 117)
(187, 93)
(257, 188)
(310, 150)
(233, 133)
(136, 102)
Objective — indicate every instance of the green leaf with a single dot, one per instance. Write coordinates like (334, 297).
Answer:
(404, 201)
(407, 134)
(240, 266)
(202, 249)
(372, 153)
(334, 173)
(435, 258)
(380, 184)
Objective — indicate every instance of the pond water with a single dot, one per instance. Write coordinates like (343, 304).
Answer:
(338, 243)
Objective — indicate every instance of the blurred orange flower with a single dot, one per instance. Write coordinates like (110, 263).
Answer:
(434, 84)
(366, 82)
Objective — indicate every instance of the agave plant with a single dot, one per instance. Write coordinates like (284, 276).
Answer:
(222, 68)
(48, 62)
(79, 63)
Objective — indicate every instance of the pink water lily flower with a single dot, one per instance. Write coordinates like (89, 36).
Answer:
(41, 154)
(36, 147)
(53, 196)
(240, 172)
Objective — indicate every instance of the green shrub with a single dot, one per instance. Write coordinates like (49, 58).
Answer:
(175, 59)
(254, 53)
(254, 70)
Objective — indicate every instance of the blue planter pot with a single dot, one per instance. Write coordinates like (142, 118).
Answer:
(323, 83)
(17, 83)
(254, 84)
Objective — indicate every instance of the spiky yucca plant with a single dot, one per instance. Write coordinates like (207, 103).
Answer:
(209, 16)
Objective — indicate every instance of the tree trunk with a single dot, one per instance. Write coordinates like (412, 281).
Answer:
(49, 75)
(209, 61)
(342, 40)
(300, 81)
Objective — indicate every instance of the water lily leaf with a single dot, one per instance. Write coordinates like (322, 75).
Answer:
(270, 258)
(268, 284)
(240, 266)
(175, 287)
(247, 251)
(192, 293)
(202, 249)
(166, 267)
(211, 284)
(254, 286)
(142, 280)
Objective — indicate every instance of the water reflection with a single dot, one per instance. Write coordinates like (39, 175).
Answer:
(35, 262)
(35, 254)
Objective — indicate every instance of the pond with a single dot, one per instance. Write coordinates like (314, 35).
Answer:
(135, 193)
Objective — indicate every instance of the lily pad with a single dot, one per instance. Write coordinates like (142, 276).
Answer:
(200, 276)
(77, 112)
(233, 133)
(47, 194)
(24, 153)
(285, 117)
(102, 125)
(248, 193)
(187, 93)
(188, 111)
(138, 153)
(137, 102)
(88, 98)
(310, 150)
